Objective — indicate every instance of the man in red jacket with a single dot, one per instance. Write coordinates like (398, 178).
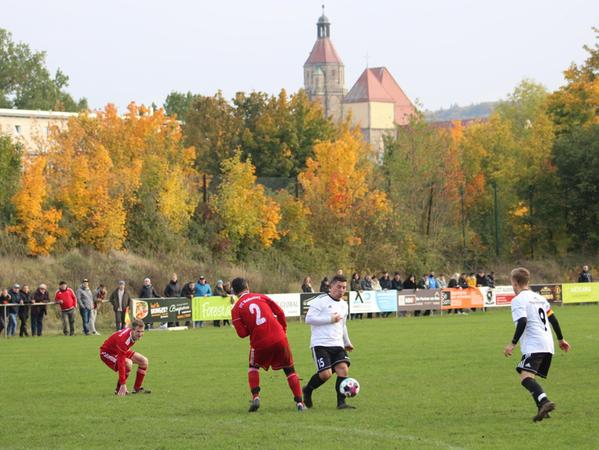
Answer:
(116, 353)
(260, 318)
(65, 297)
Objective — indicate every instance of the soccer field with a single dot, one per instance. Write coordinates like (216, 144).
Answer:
(426, 382)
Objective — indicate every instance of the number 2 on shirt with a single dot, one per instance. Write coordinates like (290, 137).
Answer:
(255, 309)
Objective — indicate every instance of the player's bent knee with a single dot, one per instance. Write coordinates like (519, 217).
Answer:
(129, 364)
(342, 370)
(325, 374)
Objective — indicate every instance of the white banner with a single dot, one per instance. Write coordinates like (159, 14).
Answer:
(289, 303)
(372, 301)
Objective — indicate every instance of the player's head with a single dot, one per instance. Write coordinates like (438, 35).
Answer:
(520, 277)
(337, 286)
(138, 329)
(238, 285)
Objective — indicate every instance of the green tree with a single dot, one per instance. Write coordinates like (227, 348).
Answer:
(178, 104)
(10, 174)
(25, 82)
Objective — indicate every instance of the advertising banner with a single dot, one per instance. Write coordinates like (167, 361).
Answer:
(289, 303)
(503, 295)
(580, 292)
(408, 300)
(462, 298)
(306, 298)
(372, 301)
(213, 308)
(552, 292)
(161, 310)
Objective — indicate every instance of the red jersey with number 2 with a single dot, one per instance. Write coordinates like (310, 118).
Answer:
(260, 318)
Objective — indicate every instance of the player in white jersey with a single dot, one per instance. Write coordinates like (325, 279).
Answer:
(330, 341)
(531, 312)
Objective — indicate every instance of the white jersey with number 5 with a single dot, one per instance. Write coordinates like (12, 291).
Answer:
(537, 337)
(324, 332)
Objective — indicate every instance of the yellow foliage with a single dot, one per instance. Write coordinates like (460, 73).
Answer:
(39, 227)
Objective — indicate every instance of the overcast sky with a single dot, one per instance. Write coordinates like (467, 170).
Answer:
(440, 52)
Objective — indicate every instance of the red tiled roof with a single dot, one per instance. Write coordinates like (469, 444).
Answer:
(378, 85)
(323, 52)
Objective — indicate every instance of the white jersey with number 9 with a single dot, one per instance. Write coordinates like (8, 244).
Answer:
(537, 337)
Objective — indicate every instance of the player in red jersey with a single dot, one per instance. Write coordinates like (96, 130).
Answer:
(116, 353)
(260, 318)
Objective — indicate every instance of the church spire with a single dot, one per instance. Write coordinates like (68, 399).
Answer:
(323, 26)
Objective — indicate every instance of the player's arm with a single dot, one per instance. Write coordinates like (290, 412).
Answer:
(314, 316)
(563, 344)
(277, 311)
(519, 317)
(240, 327)
(346, 342)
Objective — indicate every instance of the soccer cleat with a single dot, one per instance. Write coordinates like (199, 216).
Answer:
(307, 397)
(544, 411)
(300, 407)
(345, 406)
(141, 391)
(254, 405)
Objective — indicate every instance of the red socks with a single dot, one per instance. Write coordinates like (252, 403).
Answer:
(139, 378)
(295, 386)
(254, 381)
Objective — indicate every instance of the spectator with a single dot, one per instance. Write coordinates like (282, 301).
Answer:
(385, 281)
(491, 280)
(324, 285)
(396, 282)
(481, 278)
(421, 284)
(25, 310)
(471, 280)
(99, 298)
(366, 283)
(585, 276)
(85, 301)
(453, 281)
(431, 281)
(121, 302)
(4, 300)
(307, 285)
(219, 290)
(38, 311)
(189, 290)
(410, 282)
(355, 282)
(227, 288)
(147, 290)
(203, 289)
(65, 297)
(374, 281)
(13, 311)
(441, 281)
(463, 281)
(173, 289)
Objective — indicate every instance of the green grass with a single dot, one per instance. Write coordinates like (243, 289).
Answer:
(428, 382)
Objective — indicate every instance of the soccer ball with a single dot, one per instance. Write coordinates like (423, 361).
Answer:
(349, 387)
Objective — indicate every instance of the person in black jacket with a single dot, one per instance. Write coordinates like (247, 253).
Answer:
(13, 311)
(173, 289)
(396, 282)
(385, 281)
(24, 310)
(585, 276)
(38, 311)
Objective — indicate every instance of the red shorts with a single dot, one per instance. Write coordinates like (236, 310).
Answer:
(110, 359)
(277, 356)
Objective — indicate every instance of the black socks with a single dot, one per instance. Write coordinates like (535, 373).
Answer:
(536, 390)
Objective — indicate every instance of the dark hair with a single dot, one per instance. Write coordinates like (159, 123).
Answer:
(239, 285)
(339, 278)
(62, 282)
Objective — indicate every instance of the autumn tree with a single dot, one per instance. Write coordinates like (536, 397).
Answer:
(343, 206)
(248, 218)
(37, 223)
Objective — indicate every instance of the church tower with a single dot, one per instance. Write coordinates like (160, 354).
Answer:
(324, 73)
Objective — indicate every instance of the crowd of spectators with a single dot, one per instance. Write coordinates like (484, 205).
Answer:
(23, 306)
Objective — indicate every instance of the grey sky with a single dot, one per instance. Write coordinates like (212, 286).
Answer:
(440, 52)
